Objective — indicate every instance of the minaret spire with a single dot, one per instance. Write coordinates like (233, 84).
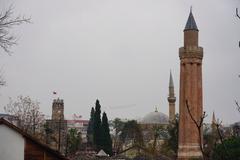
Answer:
(190, 32)
(171, 99)
(191, 24)
(171, 80)
(213, 118)
(214, 127)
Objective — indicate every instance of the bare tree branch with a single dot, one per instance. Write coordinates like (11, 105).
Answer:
(238, 16)
(199, 128)
(218, 125)
(7, 21)
(237, 13)
(238, 107)
(28, 113)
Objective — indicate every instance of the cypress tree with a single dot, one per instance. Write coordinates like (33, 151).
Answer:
(90, 128)
(106, 138)
(73, 141)
(97, 128)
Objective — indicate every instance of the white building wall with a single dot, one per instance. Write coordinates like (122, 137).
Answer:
(11, 144)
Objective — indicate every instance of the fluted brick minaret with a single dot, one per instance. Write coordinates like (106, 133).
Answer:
(190, 90)
(171, 99)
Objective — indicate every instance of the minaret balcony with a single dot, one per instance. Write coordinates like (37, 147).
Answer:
(171, 99)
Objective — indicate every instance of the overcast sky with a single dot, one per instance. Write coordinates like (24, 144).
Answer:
(121, 52)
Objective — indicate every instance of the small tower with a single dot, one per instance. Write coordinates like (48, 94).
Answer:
(56, 138)
(58, 109)
(171, 99)
(190, 91)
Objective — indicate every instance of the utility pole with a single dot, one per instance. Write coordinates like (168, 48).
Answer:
(59, 133)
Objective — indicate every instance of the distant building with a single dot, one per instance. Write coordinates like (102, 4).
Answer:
(153, 120)
(236, 128)
(230, 130)
(150, 124)
(15, 144)
(80, 125)
(58, 127)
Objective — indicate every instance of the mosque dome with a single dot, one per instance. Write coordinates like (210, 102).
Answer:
(155, 118)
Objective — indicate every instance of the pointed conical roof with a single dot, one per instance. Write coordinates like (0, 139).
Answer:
(213, 118)
(171, 80)
(101, 153)
(191, 24)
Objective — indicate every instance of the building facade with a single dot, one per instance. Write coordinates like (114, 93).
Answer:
(81, 126)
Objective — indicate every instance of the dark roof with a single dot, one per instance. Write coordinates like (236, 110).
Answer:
(31, 138)
(5, 115)
(191, 24)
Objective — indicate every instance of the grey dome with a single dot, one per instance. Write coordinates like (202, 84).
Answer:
(155, 118)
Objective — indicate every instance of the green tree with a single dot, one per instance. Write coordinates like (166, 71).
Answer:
(90, 128)
(170, 147)
(117, 124)
(97, 129)
(107, 141)
(210, 139)
(158, 131)
(73, 141)
(232, 152)
(132, 132)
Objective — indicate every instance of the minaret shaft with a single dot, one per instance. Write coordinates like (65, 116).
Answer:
(190, 38)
